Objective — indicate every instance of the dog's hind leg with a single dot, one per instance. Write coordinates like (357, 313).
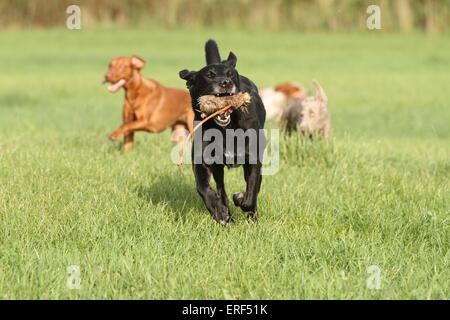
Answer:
(128, 116)
(128, 142)
(212, 200)
(179, 133)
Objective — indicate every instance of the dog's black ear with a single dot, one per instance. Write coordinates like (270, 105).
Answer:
(232, 59)
(212, 52)
(187, 75)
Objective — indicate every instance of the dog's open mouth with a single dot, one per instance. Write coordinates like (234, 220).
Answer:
(224, 94)
(113, 88)
(224, 118)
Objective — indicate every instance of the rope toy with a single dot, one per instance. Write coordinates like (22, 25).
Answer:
(212, 106)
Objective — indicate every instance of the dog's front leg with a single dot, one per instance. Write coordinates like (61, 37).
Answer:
(247, 200)
(217, 171)
(128, 128)
(213, 202)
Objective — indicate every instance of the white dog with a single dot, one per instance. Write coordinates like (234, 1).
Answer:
(309, 116)
(276, 99)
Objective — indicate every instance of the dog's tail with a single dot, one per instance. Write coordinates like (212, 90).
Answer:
(320, 93)
(212, 52)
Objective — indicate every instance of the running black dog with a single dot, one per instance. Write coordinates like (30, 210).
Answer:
(211, 149)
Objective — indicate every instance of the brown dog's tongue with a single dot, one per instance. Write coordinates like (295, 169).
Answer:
(116, 86)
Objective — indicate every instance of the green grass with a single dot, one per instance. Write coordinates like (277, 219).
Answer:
(378, 194)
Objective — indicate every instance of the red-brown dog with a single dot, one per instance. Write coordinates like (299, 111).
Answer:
(148, 105)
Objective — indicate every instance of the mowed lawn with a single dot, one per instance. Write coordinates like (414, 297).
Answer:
(377, 195)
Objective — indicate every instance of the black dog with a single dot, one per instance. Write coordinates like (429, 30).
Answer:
(220, 78)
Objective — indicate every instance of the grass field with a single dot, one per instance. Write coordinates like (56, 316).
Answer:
(379, 194)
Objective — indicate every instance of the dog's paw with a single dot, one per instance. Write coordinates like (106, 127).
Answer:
(240, 200)
(222, 215)
(252, 216)
(115, 135)
(238, 197)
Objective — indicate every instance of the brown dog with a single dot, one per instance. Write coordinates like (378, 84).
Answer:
(148, 105)
(292, 90)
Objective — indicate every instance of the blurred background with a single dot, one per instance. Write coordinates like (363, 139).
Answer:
(431, 16)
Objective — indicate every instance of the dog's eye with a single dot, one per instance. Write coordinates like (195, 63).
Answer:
(229, 73)
(211, 75)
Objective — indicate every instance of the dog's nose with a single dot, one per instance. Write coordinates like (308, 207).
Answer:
(225, 83)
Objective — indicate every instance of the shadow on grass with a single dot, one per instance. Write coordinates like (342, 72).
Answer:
(175, 193)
